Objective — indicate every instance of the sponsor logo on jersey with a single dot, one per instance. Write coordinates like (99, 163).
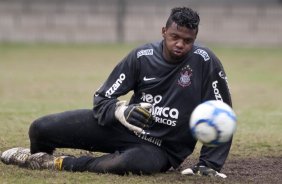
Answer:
(115, 86)
(163, 115)
(145, 52)
(216, 92)
(203, 53)
(150, 139)
(185, 76)
(223, 76)
(148, 79)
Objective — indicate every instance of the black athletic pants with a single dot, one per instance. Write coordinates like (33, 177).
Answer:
(78, 129)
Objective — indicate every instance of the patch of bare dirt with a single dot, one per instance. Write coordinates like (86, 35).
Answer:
(249, 170)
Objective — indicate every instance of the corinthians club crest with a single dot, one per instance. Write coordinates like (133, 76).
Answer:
(185, 76)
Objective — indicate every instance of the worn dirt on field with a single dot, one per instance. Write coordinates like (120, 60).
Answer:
(249, 170)
(238, 170)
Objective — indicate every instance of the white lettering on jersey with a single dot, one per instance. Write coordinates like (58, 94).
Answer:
(165, 121)
(153, 140)
(165, 112)
(216, 91)
(164, 115)
(115, 86)
(203, 53)
(145, 52)
(223, 76)
(151, 99)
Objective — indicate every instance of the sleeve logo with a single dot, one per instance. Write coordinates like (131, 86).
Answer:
(145, 52)
(202, 53)
(115, 86)
(216, 91)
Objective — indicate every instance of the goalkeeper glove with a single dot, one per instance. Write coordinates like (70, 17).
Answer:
(136, 117)
(202, 171)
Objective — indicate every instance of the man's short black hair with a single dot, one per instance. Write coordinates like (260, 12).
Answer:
(184, 17)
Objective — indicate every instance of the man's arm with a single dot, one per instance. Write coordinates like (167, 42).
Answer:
(216, 88)
(109, 110)
(121, 80)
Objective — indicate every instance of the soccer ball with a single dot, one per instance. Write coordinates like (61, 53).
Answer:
(213, 122)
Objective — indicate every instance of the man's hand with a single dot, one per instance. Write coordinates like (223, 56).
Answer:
(136, 117)
(202, 171)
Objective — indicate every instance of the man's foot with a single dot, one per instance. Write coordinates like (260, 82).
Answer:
(23, 158)
(44, 161)
(15, 156)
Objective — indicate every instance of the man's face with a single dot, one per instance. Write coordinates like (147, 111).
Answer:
(178, 41)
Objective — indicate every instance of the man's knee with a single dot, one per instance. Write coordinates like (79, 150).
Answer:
(38, 135)
(36, 128)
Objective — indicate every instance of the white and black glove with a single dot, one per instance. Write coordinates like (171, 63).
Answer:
(136, 117)
(202, 171)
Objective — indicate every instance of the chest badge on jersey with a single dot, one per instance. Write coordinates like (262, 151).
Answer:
(185, 76)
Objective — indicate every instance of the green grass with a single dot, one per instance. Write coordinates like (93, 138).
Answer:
(255, 79)
(39, 79)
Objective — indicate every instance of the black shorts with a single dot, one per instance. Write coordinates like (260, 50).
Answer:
(126, 153)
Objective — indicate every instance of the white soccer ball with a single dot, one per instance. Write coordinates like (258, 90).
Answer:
(213, 122)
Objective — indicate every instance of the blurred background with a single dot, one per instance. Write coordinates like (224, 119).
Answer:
(241, 22)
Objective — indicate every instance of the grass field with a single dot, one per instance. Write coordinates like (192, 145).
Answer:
(40, 79)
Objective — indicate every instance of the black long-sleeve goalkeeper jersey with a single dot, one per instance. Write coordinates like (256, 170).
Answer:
(174, 90)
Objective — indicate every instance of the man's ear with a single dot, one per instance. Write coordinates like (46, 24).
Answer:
(163, 32)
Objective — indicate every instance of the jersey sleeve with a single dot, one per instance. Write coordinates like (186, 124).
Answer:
(120, 81)
(215, 87)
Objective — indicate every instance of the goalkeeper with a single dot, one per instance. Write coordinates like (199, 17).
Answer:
(150, 133)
